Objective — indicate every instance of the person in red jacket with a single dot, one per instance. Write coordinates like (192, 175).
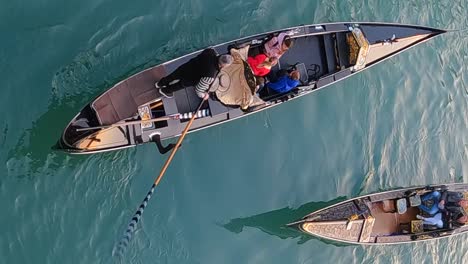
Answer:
(261, 64)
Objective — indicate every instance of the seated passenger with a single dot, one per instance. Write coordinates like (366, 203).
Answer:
(277, 46)
(448, 220)
(457, 220)
(261, 64)
(430, 202)
(285, 83)
(452, 202)
(200, 72)
(436, 220)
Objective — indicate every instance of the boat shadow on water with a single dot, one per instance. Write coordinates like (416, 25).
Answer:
(31, 154)
(274, 222)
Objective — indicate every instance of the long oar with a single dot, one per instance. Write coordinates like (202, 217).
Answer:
(308, 219)
(163, 118)
(136, 217)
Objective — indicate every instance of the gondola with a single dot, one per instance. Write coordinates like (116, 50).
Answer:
(382, 218)
(133, 112)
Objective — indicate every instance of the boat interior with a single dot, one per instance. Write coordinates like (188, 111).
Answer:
(313, 56)
(388, 221)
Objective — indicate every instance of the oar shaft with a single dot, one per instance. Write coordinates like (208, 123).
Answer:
(176, 116)
(297, 222)
(132, 225)
(136, 217)
(179, 141)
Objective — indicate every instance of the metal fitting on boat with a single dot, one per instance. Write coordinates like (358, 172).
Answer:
(199, 114)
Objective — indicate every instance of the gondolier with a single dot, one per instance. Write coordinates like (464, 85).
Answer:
(199, 72)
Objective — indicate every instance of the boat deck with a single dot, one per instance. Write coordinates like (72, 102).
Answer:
(388, 223)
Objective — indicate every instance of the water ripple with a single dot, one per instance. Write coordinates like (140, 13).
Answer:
(397, 124)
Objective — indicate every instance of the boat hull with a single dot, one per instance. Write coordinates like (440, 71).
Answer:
(326, 46)
(375, 219)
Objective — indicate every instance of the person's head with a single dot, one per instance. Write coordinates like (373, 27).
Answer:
(224, 60)
(295, 75)
(287, 43)
(463, 203)
(463, 219)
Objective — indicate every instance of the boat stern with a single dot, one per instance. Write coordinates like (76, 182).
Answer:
(77, 138)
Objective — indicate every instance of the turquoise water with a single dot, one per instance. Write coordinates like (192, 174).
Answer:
(231, 188)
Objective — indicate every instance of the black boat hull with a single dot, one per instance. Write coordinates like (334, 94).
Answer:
(322, 45)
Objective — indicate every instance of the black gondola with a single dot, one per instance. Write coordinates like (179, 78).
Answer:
(323, 53)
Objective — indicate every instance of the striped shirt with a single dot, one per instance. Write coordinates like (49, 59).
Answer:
(203, 85)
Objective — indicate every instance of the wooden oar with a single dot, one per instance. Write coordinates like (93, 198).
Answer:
(163, 118)
(136, 217)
